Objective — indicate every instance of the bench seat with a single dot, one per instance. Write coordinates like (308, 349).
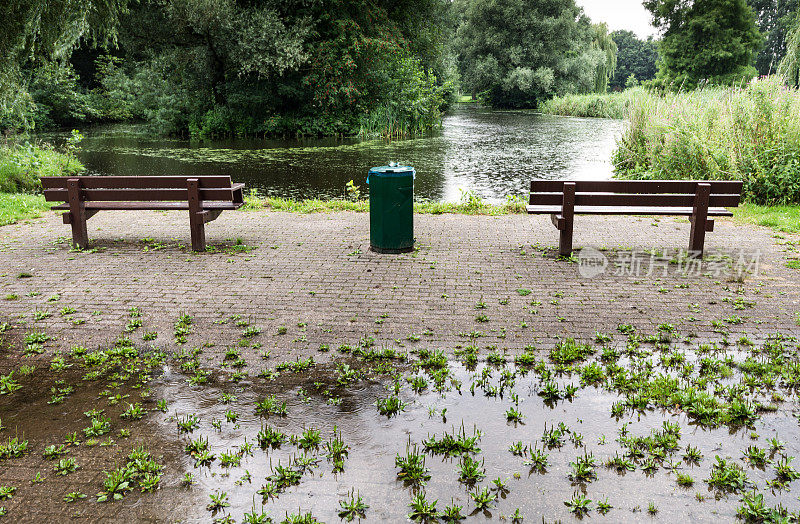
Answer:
(149, 206)
(633, 210)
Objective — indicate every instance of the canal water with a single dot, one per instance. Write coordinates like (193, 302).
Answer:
(491, 153)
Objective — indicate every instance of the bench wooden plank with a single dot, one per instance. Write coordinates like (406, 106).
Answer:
(138, 182)
(638, 186)
(632, 199)
(113, 195)
(696, 199)
(631, 210)
(151, 206)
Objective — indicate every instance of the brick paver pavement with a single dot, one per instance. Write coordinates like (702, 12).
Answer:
(317, 269)
(315, 276)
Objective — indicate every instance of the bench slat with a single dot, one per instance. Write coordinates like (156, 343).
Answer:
(138, 182)
(111, 195)
(638, 186)
(630, 210)
(640, 200)
(152, 206)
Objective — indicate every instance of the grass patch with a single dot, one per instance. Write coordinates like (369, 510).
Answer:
(472, 206)
(780, 218)
(22, 165)
(20, 206)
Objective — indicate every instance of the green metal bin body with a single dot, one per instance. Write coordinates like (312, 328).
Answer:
(391, 209)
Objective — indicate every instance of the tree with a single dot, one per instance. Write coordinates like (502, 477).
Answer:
(519, 52)
(710, 41)
(634, 57)
(775, 18)
(789, 67)
(34, 31)
(277, 67)
(603, 42)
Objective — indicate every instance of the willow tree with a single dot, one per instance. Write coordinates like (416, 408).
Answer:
(34, 31)
(789, 68)
(603, 42)
(775, 19)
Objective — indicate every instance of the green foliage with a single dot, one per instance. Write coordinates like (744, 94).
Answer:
(748, 134)
(292, 69)
(45, 30)
(595, 105)
(22, 165)
(706, 41)
(775, 20)
(789, 66)
(518, 53)
(635, 57)
(413, 101)
(59, 101)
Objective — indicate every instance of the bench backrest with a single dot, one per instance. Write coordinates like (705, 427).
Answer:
(650, 193)
(141, 188)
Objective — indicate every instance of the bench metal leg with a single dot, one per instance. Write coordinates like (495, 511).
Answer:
(77, 214)
(196, 219)
(699, 220)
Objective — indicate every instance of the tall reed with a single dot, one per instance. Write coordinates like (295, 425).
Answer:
(749, 133)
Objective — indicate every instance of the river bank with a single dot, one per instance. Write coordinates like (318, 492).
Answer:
(749, 133)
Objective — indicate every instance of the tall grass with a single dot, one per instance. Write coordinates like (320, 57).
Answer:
(749, 133)
(22, 165)
(388, 121)
(595, 105)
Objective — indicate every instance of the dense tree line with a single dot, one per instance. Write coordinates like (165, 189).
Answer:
(518, 52)
(322, 67)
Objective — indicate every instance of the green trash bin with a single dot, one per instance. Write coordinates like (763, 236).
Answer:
(391, 208)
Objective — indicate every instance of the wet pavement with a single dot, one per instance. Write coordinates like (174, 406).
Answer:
(140, 343)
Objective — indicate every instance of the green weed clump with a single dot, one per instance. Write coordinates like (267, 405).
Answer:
(20, 206)
(749, 133)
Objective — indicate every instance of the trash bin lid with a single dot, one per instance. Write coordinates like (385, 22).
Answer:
(392, 170)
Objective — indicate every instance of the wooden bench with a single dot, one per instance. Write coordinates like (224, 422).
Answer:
(696, 199)
(205, 197)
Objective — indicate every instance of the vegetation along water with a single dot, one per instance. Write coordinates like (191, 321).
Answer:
(231, 75)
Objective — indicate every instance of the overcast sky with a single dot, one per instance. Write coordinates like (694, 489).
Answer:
(620, 14)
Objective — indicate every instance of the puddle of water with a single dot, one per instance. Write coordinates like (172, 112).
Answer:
(375, 440)
(471, 400)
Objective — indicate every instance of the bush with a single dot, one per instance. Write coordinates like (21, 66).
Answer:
(749, 133)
